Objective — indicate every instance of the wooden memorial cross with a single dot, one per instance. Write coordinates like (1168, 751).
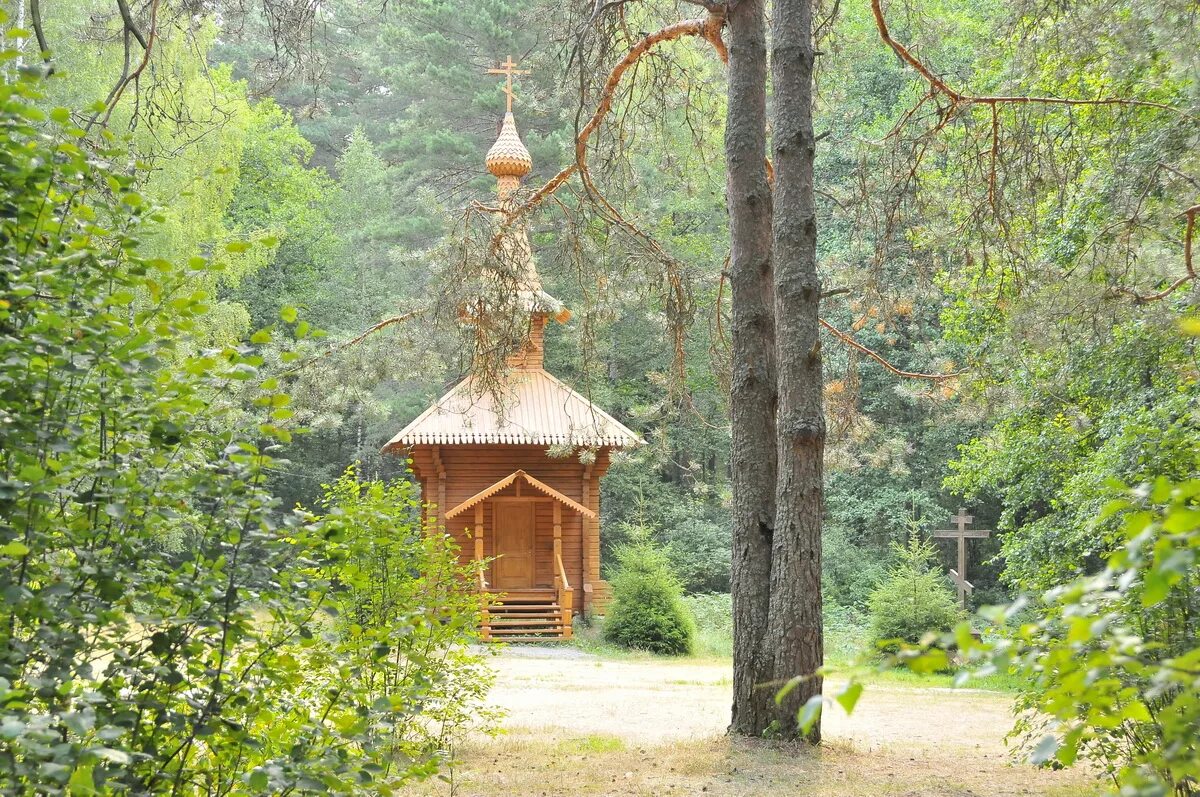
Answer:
(508, 69)
(962, 533)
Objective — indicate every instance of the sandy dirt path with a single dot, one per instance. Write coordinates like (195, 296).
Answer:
(662, 701)
(582, 725)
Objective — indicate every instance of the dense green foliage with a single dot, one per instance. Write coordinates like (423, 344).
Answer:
(1121, 408)
(914, 599)
(165, 624)
(647, 612)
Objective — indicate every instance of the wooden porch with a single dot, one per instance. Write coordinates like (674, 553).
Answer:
(526, 606)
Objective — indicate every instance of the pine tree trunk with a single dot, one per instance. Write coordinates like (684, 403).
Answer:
(753, 389)
(794, 632)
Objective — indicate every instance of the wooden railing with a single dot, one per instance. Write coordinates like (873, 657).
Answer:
(565, 595)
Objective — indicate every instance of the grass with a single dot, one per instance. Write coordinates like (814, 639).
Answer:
(527, 763)
(636, 724)
(1001, 682)
(846, 652)
(592, 743)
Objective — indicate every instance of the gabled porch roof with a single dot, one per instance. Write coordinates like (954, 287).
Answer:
(541, 487)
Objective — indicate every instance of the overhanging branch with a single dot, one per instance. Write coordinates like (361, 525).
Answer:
(963, 98)
(854, 344)
(334, 348)
(708, 28)
(959, 99)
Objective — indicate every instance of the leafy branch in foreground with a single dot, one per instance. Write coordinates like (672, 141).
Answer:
(1112, 661)
(165, 627)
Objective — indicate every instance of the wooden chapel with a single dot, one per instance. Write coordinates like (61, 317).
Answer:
(484, 465)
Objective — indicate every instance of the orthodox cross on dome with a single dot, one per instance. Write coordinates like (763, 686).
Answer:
(508, 69)
(962, 534)
(508, 159)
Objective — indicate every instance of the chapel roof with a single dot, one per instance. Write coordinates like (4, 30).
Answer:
(532, 408)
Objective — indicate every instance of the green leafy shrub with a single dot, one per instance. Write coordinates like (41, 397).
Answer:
(1112, 663)
(647, 611)
(403, 616)
(914, 599)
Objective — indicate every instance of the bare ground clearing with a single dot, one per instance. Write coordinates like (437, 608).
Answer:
(592, 726)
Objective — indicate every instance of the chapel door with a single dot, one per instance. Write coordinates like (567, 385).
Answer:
(513, 567)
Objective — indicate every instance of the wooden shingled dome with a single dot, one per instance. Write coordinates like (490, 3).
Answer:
(508, 157)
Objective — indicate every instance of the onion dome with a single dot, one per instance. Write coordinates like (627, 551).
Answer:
(508, 159)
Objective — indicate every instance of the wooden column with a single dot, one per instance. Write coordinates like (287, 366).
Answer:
(485, 628)
(441, 485)
(557, 544)
(585, 559)
(479, 532)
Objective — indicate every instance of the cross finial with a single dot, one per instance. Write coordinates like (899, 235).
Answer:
(508, 69)
(962, 519)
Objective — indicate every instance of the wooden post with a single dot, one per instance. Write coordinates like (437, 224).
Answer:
(479, 532)
(567, 601)
(485, 629)
(441, 485)
(557, 544)
(585, 560)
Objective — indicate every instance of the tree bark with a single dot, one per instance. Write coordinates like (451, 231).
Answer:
(753, 384)
(794, 632)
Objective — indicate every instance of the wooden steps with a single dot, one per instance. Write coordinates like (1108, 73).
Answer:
(527, 615)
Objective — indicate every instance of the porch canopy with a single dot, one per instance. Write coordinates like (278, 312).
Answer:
(541, 487)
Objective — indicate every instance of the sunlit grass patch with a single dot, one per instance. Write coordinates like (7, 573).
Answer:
(592, 743)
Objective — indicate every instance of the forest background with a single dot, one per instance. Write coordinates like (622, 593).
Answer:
(349, 148)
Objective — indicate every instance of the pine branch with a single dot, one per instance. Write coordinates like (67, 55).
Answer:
(708, 28)
(854, 344)
(336, 347)
(963, 98)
